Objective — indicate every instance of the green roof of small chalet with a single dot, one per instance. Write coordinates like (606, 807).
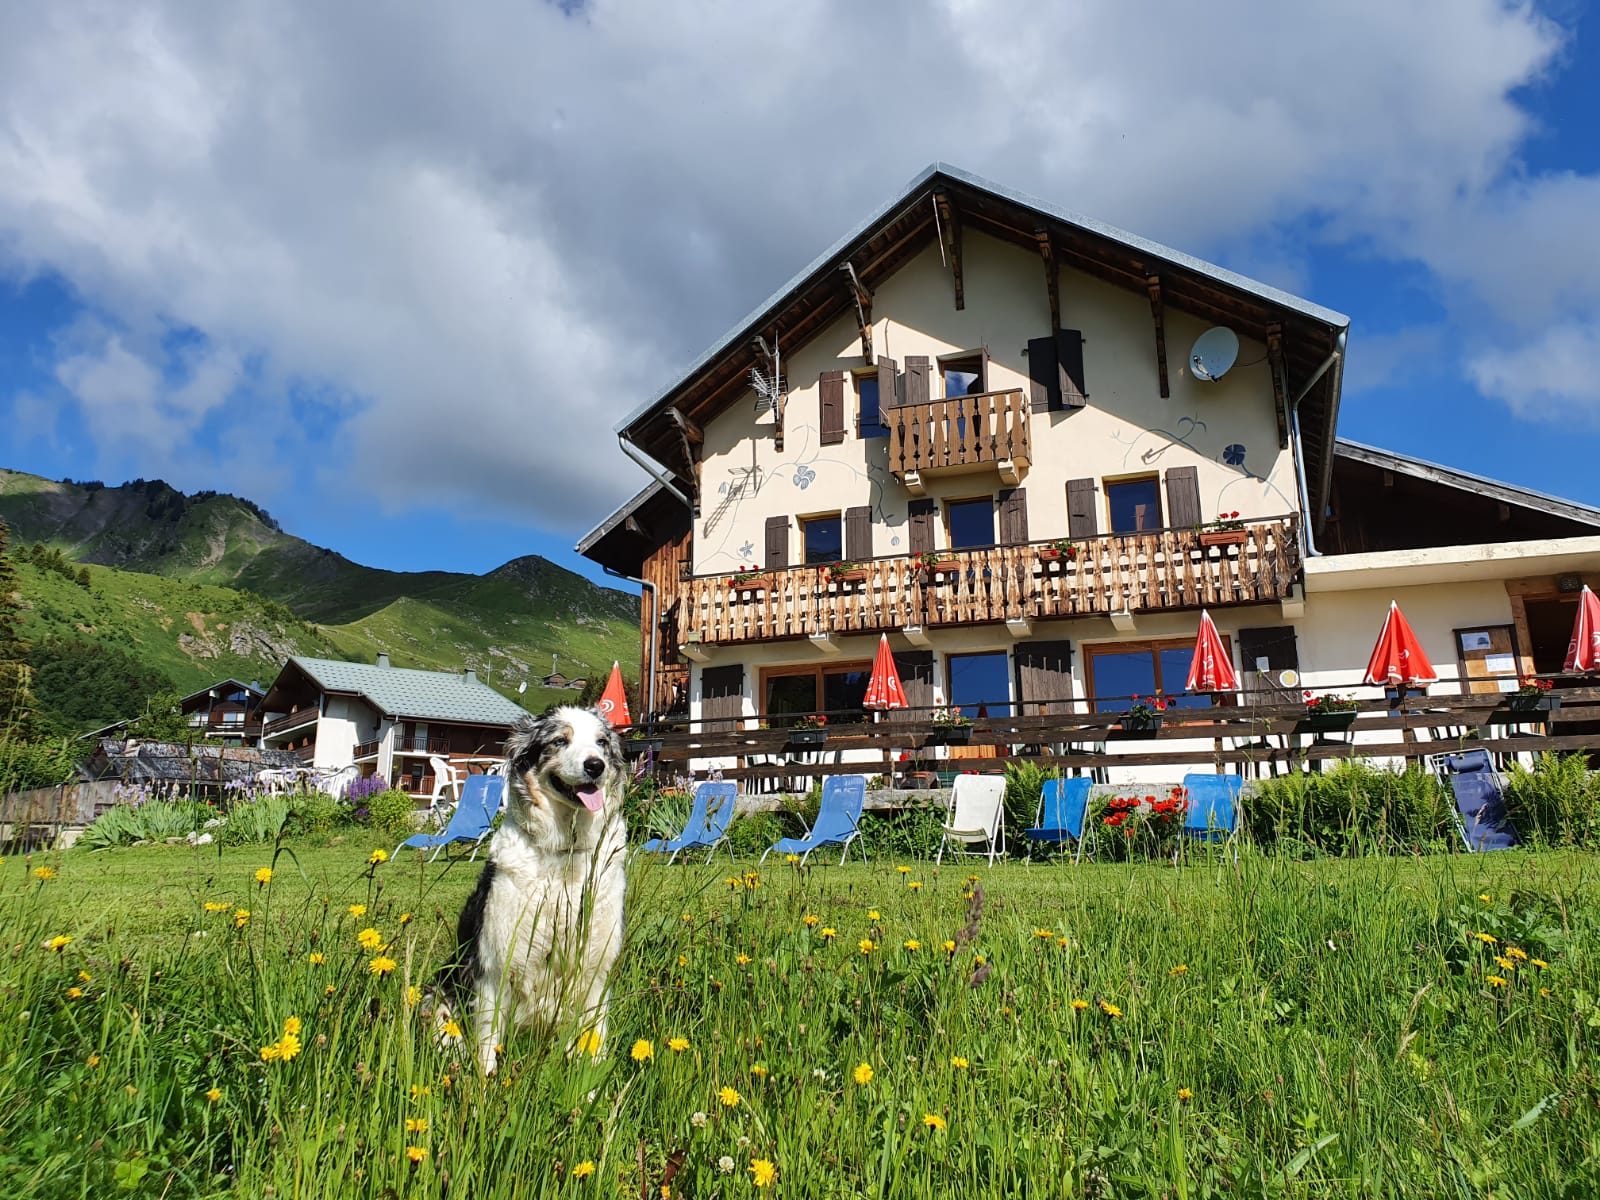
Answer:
(419, 695)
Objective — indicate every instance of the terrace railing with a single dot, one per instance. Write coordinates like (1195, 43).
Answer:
(288, 721)
(960, 434)
(1162, 570)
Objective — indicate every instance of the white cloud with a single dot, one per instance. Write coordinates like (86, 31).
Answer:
(480, 236)
(1555, 377)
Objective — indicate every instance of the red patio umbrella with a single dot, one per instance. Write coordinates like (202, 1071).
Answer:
(1212, 668)
(1397, 660)
(883, 688)
(613, 704)
(1583, 651)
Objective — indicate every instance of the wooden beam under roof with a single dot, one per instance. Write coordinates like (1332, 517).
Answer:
(1052, 277)
(863, 299)
(692, 433)
(1158, 316)
(1280, 384)
(950, 232)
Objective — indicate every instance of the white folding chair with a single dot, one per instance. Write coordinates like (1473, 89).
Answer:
(976, 816)
(445, 779)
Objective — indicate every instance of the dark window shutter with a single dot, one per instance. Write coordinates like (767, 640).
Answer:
(983, 369)
(1081, 509)
(915, 668)
(917, 374)
(1183, 497)
(887, 380)
(1013, 517)
(1069, 354)
(1044, 677)
(1275, 646)
(1044, 375)
(721, 697)
(919, 522)
(831, 387)
(858, 533)
(777, 543)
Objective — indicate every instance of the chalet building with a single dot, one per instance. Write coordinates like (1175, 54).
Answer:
(392, 721)
(989, 441)
(228, 710)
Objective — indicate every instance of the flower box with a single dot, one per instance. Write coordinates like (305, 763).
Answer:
(808, 737)
(639, 747)
(1223, 537)
(1141, 726)
(751, 583)
(950, 735)
(853, 575)
(1328, 722)
(1525, 708)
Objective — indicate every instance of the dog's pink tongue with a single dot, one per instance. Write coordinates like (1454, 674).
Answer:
(591, 796)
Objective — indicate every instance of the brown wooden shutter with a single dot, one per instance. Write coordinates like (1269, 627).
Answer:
(915, 668)
(1069, 354)
(919, 525)
(830, 385)
(983, 369)
(917, 374)
(887, 378)
(1044, 375)
(1044, 677)
(721, 697)
(777, 543)
(1183, 497)
(1082, 507)
(858, 533)
(1013, 516)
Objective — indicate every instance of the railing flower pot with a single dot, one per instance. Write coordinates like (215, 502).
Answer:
(1329, 722)
(854, 575)
(808, 737)
(1222, 537)
(1142, 726)
(950, 735)
(751, 584)
(1525, 708)
(638, 747)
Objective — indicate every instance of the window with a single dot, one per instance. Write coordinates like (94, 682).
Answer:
(839, 691)
(1121, 670)
(869, 414)
(824, 539)
(963, 376)
(980, 684)
(1135, 504)
(971, 523)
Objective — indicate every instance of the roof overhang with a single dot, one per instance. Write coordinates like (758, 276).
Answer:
(1451, 564)
(626, 538)
(896, 232)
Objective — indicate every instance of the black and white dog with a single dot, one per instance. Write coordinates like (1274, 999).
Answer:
(538, 937)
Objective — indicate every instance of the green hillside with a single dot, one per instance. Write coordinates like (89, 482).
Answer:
(198, 588)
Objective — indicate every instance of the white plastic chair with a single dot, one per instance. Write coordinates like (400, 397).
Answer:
(445, 779)
(977, 812)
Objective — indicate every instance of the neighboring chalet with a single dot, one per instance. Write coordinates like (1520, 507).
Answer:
(391, 721)
(228, 711)
(990, 443)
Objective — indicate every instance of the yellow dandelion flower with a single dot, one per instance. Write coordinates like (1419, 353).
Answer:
(752, 880)
(316, 958)
(271, 1052)
(405, 918)
(959, 1063)
(791, 858)
(378, 856)
(874, 915)
(583, 1170)
(369, 939)
(827, 933)
(213, 1094)
(589, 1042)
(1485, 897)
(642, 1051)
(728, 1096)
(1544, 993)
(263, 876)
(734, 883)
(1063, 942)
(866, 945)
(677, 1044)
(59, 943)
(683, 960)
(416, 1154)
(1517, 953)
(912, 945)
(1540, 963)
(1079, 1005)
(762, 1172)
(413, 996)
(915, 885)
(1495, 980)
(1185, 1095)
(1504, 963)
(979, 959)
(291, 1025)
(934, 1121)
(74, 993)
(1180, 969)
(416, 1124)
(329, 990)
(420, 1091)
(1110, 1009)
(444, 1082)
(948, 945)
(452, 1030)
(810, 920)
(742, 959)
(904, 870)
(216, 906)
(288, 1046)
(687, 918)
(862, 1074)
(381, 965)
(44, 874)
(85, 977)
(1488, 939)
(241, 917)
(357, 910)
(92, 1061)
(758, 1071)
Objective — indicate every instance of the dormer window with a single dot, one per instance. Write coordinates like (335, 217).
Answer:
(962, 375)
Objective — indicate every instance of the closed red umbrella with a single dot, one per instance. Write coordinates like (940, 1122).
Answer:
(1212, 668)
(884, 690)
(1397, 660)
(613, 704)
(1583, 652)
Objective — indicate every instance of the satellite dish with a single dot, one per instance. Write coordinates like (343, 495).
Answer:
(1289, 678)
(1214, 352)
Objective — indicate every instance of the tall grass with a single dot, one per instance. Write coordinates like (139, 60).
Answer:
(1271, 1029)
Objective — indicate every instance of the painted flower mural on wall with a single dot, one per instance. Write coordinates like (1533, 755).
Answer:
(1233, 454)
(804, 477)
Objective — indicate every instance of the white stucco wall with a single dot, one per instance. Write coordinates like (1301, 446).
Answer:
(1125, 429)
(345, 722)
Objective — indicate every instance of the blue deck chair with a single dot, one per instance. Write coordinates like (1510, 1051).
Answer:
(1480, 801)
(1212, 814)
(838, 820)
(480, 801)
(707, 824)
(1063, 808)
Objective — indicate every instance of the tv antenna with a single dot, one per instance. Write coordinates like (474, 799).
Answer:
(1214, 352)
(766, 377)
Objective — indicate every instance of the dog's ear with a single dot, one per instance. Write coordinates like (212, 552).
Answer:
(529, 737)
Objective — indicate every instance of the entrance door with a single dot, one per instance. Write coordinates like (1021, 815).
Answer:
(1550, 621)
(1488, 659)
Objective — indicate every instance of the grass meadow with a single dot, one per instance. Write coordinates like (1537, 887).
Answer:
(171, 1026)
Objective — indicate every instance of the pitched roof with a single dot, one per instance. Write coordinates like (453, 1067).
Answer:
(1509, 493)
(419, 695)
(219, 685)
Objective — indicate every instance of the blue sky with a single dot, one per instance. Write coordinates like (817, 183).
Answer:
(396, 283)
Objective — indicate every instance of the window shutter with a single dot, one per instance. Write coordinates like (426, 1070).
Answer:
(858, 533)
(1069, 354)
(917, 368)
(919, 522)
(1044, 375)
(1013, 517)
(888, 378)
(777, 543)
(1081, 509)
(915, 668)
(1183, 497)
(831, 387)
(721, 697)
(1044, 677)
(983, 369)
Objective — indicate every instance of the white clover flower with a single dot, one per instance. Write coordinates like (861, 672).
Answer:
(699, 1120)
(744, 1143)
(725, 1164)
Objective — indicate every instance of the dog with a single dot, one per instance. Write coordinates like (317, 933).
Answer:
(538, 937)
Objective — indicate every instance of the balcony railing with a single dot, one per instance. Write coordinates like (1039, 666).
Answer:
(289, 721)
(987, 429)
(306, 754)
(1163, 570)
(422, 745)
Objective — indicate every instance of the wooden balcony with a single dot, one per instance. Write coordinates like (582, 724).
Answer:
(288, 721)
(984, 431)
(1160, 571)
